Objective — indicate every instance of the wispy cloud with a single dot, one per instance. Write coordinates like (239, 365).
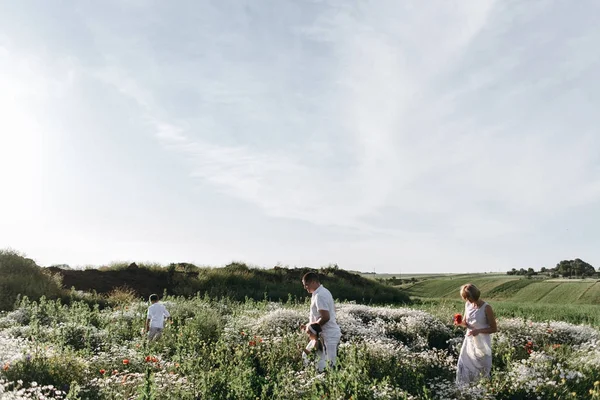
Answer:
(333, 151)
(451, 126)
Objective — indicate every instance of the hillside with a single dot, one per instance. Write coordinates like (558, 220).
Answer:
(510, 288)
(236, 281)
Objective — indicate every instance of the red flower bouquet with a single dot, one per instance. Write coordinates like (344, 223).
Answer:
(458, 319)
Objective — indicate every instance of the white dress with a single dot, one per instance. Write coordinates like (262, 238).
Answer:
(475, 360)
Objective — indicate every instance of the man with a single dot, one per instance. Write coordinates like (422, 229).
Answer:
(322, 312)
(155, 321)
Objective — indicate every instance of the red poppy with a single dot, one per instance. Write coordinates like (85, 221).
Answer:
(125, 361)
(458, 318)
(148, 359)
(252, 343)
(102, 371)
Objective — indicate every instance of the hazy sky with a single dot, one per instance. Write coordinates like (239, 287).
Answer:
(394, 136)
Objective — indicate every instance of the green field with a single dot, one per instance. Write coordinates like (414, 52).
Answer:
(513, 289)
(541, 312)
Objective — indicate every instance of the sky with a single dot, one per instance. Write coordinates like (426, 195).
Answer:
(386, 136)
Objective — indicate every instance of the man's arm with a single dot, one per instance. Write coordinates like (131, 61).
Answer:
(324, 317)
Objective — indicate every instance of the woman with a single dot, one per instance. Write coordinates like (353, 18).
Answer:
(475, 360)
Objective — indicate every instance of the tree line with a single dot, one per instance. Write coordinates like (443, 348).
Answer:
(576, 268)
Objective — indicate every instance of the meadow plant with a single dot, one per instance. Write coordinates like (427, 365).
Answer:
(223, 349)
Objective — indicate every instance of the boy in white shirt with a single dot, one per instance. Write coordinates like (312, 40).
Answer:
(155, 321)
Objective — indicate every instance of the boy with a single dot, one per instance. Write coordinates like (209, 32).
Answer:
(155, 322)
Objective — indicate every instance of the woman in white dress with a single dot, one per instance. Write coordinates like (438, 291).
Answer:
(475, 360)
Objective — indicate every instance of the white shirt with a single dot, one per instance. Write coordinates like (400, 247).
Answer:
(323, 300)
(157, 314)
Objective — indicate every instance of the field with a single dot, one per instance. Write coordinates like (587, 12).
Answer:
(223, 349)
(509, 288)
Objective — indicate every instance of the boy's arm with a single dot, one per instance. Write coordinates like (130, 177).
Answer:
(147, 323)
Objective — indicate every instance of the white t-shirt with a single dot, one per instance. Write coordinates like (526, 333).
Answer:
(157, 314)
(323, 300)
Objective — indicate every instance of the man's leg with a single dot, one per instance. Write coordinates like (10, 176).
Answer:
(331, 347)
(322, 361)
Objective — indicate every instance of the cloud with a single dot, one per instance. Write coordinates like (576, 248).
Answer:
(449, 127)
(333, 151)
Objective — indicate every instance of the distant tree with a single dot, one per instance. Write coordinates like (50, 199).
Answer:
(563, 268)
(576, 267)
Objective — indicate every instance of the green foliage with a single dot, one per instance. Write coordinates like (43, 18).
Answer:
(147, 390)
(576, 267)
(47, 370)
(21, 276)
(237, 281)
(122, 295)
(212, 350)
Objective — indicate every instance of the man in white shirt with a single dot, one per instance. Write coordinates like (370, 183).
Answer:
(322, 312)
(155, 321)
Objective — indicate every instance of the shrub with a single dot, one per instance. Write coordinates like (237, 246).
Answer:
(122, 295)
(47, 370)
(22, 276)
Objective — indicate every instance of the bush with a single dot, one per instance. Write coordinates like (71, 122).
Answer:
(47, 370)
(122, 295)
(22, 276)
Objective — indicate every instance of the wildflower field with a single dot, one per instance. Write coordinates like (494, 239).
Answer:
(221, 349)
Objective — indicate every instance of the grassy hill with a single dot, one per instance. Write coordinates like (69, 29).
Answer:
(236, 281)
(510, 288)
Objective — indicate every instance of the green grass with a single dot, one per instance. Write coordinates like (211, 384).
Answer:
(509, 288)
(539, 312)
(535, 292)
(449, 287)
(566, 292)
(591, 295)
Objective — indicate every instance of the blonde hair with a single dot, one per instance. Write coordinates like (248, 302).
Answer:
(469, 292)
